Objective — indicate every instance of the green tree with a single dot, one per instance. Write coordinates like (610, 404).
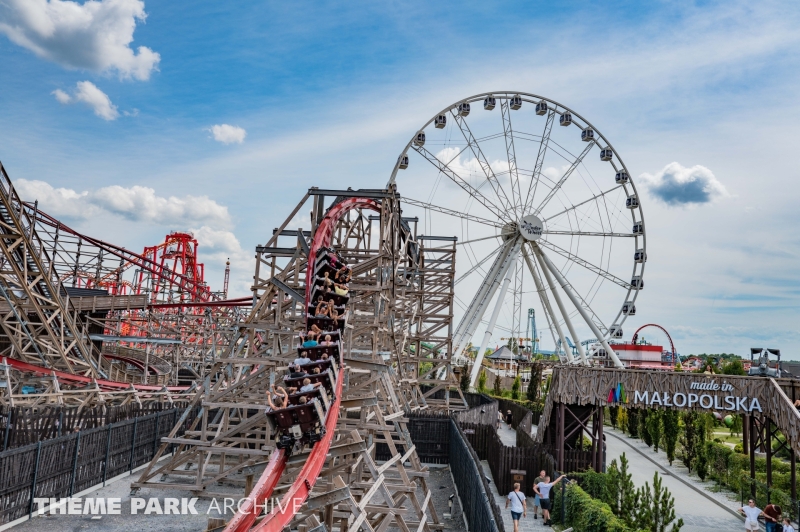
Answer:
(701, 465)
(733, 367)
(464, 380)
(656, 508)
(633, 422)
(689, 440)
(532, 393)
(626, 500)
(482, 381)
(515, 388)
(736, 426)
(497, 389)
(671, 421)
(613, 414)
(644, 434)
(654, 427)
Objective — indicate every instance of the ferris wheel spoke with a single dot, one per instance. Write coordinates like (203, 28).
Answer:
(593, 198)
(511, 155)
(564, 177)
(552, 318)
(450, 212)
(594, 317)
(586, 264)
(536, 175)
(477, 266)
(476, 240)
(477, 152)
(460, 181)
(587, 233)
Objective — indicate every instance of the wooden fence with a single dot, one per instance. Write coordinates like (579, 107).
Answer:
(63, 466)
(483, 413)
(25, 425)
(503, 459)
(430, 434)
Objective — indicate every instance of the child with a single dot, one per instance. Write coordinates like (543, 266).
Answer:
(787, 525)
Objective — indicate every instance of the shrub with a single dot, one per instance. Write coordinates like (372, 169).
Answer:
(482, 381)
(586, 514)
(515, 388)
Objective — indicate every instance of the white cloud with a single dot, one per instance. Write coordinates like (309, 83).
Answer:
(95, 35)
(677, 185)
(228, 134)
(137, 203)
(88, 93)
(218, 240)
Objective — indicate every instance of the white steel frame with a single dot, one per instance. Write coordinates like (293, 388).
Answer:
(510, 203)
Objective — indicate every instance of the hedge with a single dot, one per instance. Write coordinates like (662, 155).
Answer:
(585, 514)
(732, 470)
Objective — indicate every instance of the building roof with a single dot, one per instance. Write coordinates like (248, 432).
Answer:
(504, 353)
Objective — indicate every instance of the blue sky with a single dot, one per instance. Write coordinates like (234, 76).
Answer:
(328, 95)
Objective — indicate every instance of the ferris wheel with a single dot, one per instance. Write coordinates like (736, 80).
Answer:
(540, 200)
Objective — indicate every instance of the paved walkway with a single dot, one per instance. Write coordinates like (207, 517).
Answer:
(701, 510)
(507, 435)
(526, 524)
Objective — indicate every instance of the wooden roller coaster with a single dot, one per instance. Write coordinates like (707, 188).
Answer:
(385, 352)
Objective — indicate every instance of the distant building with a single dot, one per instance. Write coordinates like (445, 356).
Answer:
(504, 358)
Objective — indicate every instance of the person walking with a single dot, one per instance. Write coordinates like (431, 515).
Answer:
(772, 517)
(519, 507)
(542, 489)
(536, 503)
(751, 514)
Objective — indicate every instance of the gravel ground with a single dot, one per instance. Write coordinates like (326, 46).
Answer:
(441, 485)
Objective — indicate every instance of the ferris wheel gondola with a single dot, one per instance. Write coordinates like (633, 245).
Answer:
(530, 204)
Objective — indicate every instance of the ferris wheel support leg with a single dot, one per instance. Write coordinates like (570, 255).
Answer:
(477, 308)
(476, 367)
(546, 304)
(542, 257)
(564, 313)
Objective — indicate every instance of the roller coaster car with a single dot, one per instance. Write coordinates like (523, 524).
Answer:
(327, 324)
(761, 368)
(331, 255)
(323, 365)
(338, 300)
(327, 261)
(325, 378)
(315, 353)
(300, 423)
(312, 307)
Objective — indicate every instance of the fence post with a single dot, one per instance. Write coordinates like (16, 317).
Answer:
(175, 420)
(8, 427)
(563, 513)
(35, 476)
(133, 443)
(108, 448)
(155, 433)
(75, 464)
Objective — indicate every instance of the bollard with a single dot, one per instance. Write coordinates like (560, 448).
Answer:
(248, 485)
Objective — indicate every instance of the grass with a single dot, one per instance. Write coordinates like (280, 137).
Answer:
(726, 437)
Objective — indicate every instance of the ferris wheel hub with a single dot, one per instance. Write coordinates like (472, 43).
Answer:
(531, 227)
